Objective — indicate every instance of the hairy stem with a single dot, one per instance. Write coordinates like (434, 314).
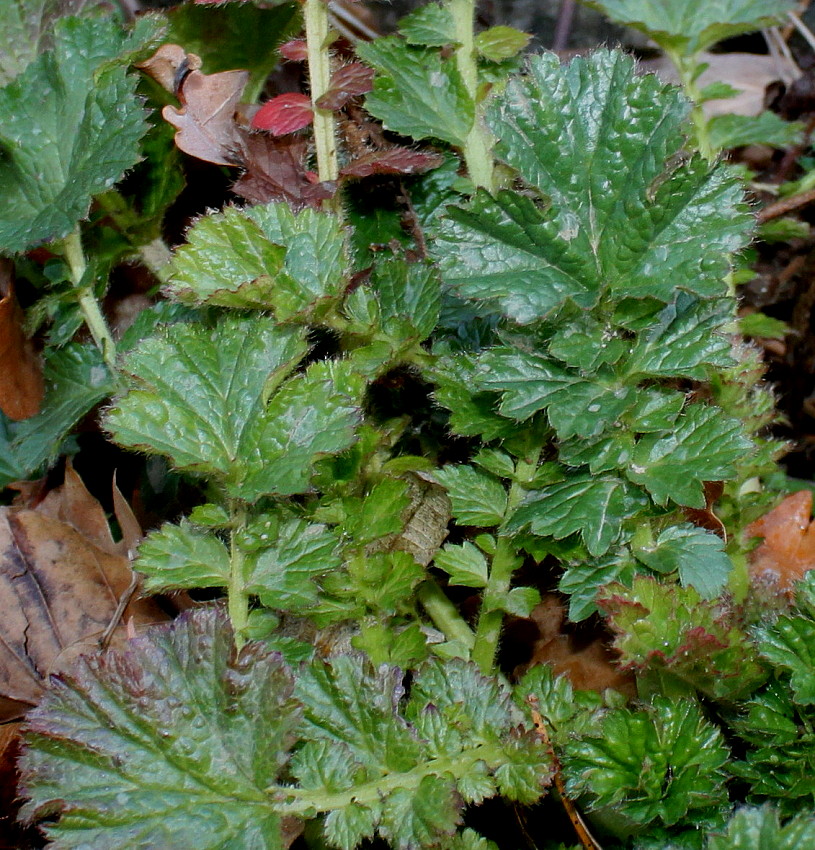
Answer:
(444, 615)
(477, 153)
(504, 563)
(238, 603)
(688, 69)
(75, 257)
(318, 39)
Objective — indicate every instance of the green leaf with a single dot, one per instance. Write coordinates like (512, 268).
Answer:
(180, 556)
(477, 497)
(469, 839)
(472, 414)
(76, 380)
(584, 580)
(409, 296)
(379, 514)
(226, 261)
(704, 446)
(500, 43)
(70, 127)
(672, 629)
(697, 555)
(688, 26)
(760, 829)
(283, 575)
(682, 342)
(593, 506)
(618, 219)
(26, 28)
(179, 738)
(587, 344)
(466, 565)
(789, 645)
(315, 414)
(315, 261)
(431, 25)
(655, 764)
(416, 92)
(734, 131)
(196, 392)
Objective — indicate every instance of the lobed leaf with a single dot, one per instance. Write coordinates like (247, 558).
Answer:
(70, 126)
(761, 829)
(604, 212)
(476, 496)
(174, 741)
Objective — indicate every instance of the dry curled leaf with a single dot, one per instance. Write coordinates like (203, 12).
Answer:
(392, 161)
(169, 65)
(206, 122)
(21, 381)
(788, 550)
(588, 664)
(61, 578)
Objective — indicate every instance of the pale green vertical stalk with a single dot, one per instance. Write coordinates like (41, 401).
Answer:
(75, 257)
(477, 146)
(444, 614)
(238, 600)
(318, 39)
(504, 563)
(688, 69)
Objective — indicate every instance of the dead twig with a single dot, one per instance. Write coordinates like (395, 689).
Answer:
(785, 205)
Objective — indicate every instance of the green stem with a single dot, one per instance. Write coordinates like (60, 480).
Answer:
(477, 145)
(688, 69)
(318, 39)
(444, 614)
(238, 600)
(504, 563)
(75, 257)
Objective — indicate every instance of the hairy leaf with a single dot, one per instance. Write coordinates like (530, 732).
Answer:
(594, 507)
(760, 829)
(477, 497)
(657, 763)
(175, 740)
(688, 26)
(617, 219)
(416, 92)
(70, 126)
(465, 564)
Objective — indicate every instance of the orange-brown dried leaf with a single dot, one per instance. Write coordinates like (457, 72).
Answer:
(168, 65)
(788, 550)
(590, 665)
(61, 578)
(21, 382)
(206, 122)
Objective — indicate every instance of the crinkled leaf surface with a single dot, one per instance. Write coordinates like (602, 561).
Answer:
(687, 26)
(431, 25)
(170, 743)
(697, 555)
(70, 126)
(405, 770)
(657, 763)
(760, 829)
(283, 574)
(593, 506)
(197, 392)
(477, 497)
(704, 446)
(465, 564)
(182, 556)
(76, 380)
(790, 645)
(592, 140)
(417, 92)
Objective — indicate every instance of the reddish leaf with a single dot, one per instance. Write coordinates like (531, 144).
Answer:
(206, 122)
(284, 114)
(392, 161)
(21, 383)
(350, 81)
(788, 550)
(276, 171)
(294, 50)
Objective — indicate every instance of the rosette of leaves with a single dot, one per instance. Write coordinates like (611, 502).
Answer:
(605, 275)
(203, 745)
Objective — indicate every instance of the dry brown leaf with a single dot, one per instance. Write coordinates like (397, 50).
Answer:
(206, 122)
(788, 550)
(61, 578)
(169, 64)
(21, 382)
(589, 665)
